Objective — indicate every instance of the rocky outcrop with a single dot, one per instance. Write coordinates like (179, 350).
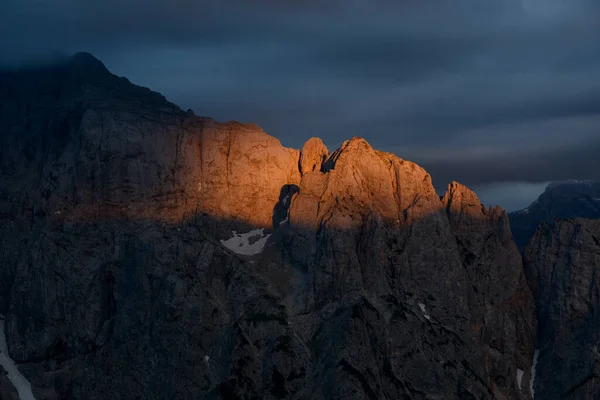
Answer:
(562, 263)
(115, 275)
(560, 200)
(313, 155)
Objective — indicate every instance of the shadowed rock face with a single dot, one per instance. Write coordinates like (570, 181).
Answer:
(114, 277)
(562, 263)
(7, 390)
(500, 301)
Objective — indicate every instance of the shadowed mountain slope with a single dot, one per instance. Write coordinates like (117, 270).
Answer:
(562, 263)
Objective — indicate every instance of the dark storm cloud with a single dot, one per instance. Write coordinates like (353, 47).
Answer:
(572, 162)
(477, 91)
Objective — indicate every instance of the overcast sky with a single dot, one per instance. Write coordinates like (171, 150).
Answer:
(501, 95)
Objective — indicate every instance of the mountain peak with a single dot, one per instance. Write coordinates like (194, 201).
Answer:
(458, 191)
(88, 68)
(85, 58)
(313, 155)
(460, 200)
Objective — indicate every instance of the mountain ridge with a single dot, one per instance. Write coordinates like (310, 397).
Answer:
(118, 272)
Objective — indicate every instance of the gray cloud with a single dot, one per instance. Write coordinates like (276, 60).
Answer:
(483, 92)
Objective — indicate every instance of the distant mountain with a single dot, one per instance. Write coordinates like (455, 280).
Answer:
(560, 200)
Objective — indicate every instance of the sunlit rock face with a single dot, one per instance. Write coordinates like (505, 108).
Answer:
(148, 253)
(562, 263)
(314, 154)
(96, 145)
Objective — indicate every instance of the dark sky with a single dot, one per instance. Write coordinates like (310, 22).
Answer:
(501, 95)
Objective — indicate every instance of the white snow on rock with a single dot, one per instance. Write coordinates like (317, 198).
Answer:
(519, 377)
(422, 306)
(249, 243)
(532, 380)
(14, 376)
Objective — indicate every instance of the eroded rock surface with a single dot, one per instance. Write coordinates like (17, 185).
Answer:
(114, 278)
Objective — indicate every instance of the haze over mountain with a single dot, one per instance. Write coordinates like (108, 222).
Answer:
(489, 93)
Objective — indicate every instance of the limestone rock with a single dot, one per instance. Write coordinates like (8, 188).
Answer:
(243, 171)
(313, 155)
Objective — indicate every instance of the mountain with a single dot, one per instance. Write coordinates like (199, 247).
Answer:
(560, 200)
(147, 253)
(562, 261)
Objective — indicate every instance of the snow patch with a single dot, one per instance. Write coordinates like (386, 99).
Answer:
(249, 243)
(532, 379)
(424, 311)
(519, 377)
(14, 376)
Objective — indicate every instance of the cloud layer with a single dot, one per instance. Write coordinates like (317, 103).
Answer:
(482, 92)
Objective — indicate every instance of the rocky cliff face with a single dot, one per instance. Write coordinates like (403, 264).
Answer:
(488, 254)
(560, 200)
(149, 253)
(562, 263)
